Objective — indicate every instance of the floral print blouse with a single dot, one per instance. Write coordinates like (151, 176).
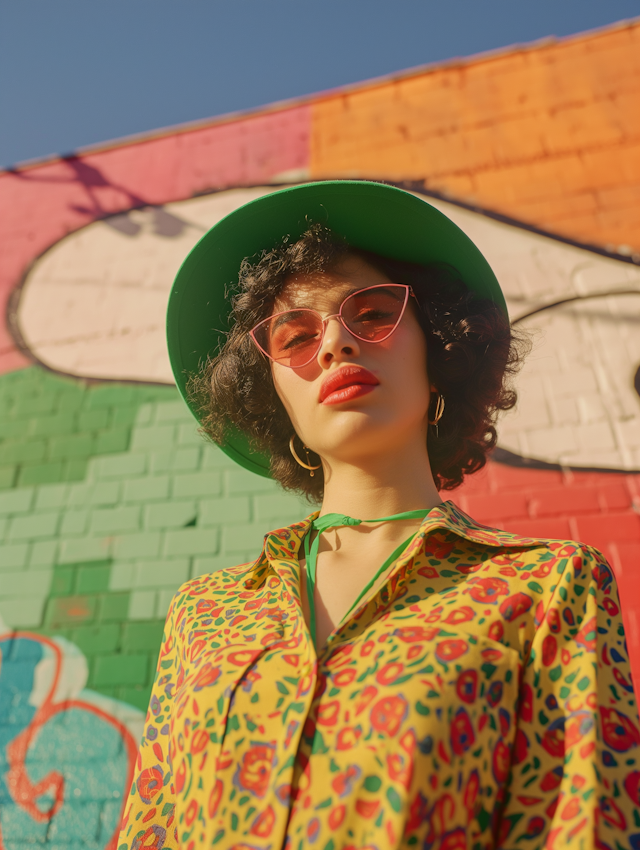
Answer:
(481, 698)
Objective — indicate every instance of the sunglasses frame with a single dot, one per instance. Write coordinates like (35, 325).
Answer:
(408, 292)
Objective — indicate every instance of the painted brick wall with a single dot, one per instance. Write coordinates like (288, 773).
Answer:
(549, 135)
(109, 498)
(117, 501)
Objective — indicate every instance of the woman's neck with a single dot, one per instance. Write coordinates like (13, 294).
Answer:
(387, 484)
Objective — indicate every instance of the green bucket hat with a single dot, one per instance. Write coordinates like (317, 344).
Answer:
(372, 216)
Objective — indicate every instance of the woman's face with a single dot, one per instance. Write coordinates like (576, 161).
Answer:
(358, 419)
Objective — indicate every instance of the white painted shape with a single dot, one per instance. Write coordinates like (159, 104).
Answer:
(94, 306)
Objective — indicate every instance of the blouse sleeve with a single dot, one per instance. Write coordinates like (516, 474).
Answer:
(148, 820)
(575, 778)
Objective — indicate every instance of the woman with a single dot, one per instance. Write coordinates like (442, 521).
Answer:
(388, 673)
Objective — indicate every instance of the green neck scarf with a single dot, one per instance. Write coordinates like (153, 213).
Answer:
(336, 521)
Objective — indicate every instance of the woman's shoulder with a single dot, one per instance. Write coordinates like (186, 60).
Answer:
(220, 586)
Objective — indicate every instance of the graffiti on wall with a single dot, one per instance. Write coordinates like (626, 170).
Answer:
(49, 718)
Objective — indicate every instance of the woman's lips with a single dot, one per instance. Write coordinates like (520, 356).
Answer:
(347, 393)
(347, 383)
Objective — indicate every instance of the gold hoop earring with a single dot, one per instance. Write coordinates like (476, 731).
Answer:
(297, 459)
(438, 414)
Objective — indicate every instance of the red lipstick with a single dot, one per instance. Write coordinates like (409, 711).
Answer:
(347, 383)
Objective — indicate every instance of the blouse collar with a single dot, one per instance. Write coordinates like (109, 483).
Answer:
(281, 546)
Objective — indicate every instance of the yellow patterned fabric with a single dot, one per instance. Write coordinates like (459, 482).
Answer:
(481, 698)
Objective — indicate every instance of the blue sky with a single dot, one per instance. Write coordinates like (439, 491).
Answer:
(79, 72)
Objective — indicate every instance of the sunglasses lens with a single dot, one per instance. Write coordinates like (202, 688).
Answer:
(292, 338)
(372, 314)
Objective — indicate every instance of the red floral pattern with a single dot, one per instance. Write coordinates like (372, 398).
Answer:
(481, 698)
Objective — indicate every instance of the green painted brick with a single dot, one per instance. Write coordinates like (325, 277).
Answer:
(93, 579)
(7, 476)
(188, 433)
(71, 399)
(113, 440)
(119, 466)
(178, 460)
(164, 600)
(16, 501)
(34, 526)
(4, 526)
(138, 697)
(153, 437)
(53, 425)
(160, 573)
(215, 458)
(25, 613)
(74, 522)
(113, 607)
(231, 509)
(114, 520)
(94, 640)
(93, 420)
(100, 493)
(124, 417)
(242, 481)
(142, 605)
(191, 541)
(51, 496)
(111, 691)
(75, 469)
(85, 549)
(151, 488)
(120, 670)
(41, 473)
(12, 427)
(105, 493)
(146, 415)
(43, 553)
(112, 395)
(13, 555)
(197, 484)
(22, 451)
(141, 637)
(143, 545)
(240, 538)
(123, 575)
(281, 508)
(27, 404)
(73, 446)
(63, 581)
(24, 582)
(171, 411)
(68, 610)
(172, 514)
(204, 566)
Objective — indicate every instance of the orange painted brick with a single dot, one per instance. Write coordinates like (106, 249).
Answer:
(553, 529)
(600, 530)
(614, 496)
(491, 507)
(513, 477)
(564, 501)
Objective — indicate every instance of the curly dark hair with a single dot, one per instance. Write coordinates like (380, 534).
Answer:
(471, 351)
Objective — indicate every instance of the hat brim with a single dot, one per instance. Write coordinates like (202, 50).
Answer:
(372, 216)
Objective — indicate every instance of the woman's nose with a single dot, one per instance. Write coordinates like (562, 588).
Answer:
(337, 343)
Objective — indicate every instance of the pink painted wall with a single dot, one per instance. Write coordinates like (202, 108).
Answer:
(40, 205)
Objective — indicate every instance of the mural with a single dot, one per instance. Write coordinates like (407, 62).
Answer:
(110, 499)
(48, 793)
(94, 305)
